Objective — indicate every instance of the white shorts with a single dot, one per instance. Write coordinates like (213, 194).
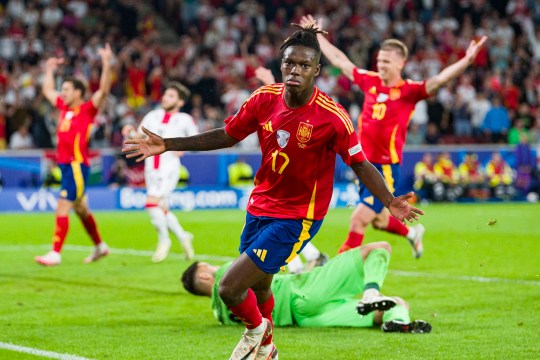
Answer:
(161, 183)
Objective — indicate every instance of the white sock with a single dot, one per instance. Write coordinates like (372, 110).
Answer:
(258, 330)
(175, 227)
(370, 293)
(296, 266)
(412, 233)
(310, 252)
(159, 220)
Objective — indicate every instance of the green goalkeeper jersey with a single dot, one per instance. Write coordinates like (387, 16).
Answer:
(324, 297)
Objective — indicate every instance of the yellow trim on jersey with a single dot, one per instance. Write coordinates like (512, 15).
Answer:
(276, 89)
(410, 117)
(334, 109)
(393, 153)
(387, 174)
(78, 177)
(76, 149)
(314, 96)
(306, 225)
(331, 102)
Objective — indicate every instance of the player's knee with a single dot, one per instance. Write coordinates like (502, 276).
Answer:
(227, 293)
(386, 246)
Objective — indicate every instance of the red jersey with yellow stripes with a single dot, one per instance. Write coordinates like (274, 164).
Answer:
(386, 112)
(74, 131)
(299, 147)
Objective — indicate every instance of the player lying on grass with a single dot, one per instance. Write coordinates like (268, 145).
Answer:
(326, 297)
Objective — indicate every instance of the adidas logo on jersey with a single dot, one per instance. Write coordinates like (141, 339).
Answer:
(268, 126)
(261, 253)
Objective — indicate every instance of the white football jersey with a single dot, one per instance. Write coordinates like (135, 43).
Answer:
(167, 125)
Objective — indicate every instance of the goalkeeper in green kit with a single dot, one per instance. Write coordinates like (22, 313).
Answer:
(343, 293)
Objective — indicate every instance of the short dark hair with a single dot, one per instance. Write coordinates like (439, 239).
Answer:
(77, 83)
(305, 36)
(183, 92)
(188, 279)
(394, 44)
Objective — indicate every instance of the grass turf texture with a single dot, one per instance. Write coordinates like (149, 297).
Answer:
(126, 307)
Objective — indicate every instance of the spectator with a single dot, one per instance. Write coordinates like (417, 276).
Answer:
(425, 177)
(478, 110)
(240, 173)
(500, 177)
(415, 135)
(472, 177)
(53, 177)
(496, 122)
(118, 176)
(462, 121)
(21, 139)
(447, 176)
(518, 133)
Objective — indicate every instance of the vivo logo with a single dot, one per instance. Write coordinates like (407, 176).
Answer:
(41, 200)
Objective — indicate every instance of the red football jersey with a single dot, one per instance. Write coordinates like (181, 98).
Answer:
(74, 131)
(299, 147)
(386, 112)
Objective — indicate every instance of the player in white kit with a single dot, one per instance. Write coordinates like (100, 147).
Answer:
(162, 172)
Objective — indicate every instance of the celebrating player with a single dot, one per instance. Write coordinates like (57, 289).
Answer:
(325, 297)
(76, 119)
(162, 172)
(300, 131)
(389, 102)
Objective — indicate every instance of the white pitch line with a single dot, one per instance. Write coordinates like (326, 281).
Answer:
(464, 278)
(38, 352)
(147, 253)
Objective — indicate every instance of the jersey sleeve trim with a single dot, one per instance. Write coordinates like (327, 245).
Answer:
(340, 113)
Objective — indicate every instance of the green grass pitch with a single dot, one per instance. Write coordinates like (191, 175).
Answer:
(477, 284)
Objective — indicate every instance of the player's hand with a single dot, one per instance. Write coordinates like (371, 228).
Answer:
(309, 19)
(105, 53)
(52, 63)
(264, 75)
(401, 209)
(474, 49)
(143, 148)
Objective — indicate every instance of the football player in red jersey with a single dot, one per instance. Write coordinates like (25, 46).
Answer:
(300, 131)
(76, 119)
(389, 102)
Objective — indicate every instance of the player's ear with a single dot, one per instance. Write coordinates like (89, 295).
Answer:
(318, 71)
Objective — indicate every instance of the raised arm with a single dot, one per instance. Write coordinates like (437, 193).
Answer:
(335, 56)
(264, 75)
(48, 89)
(155, 145)
(373, 180)
(105, 79)
(451, 72)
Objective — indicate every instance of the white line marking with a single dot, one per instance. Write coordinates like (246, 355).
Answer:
(464, 278)
(38, 352)
(148, 253)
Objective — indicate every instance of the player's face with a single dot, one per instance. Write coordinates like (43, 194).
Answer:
(69, 93)
(299, 67)
(389, 64)
(171, 100)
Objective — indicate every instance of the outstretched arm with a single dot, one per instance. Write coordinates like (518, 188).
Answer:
(373, 180)
(105, 79)
(451, 72)
(332, 53)
(264, 75)
(47, 88)
(155, 145)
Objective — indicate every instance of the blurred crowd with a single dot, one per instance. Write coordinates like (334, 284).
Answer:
(219, 44)
(437, 178)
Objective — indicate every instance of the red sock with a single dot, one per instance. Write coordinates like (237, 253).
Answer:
(247, 311)
(396, 227)
(266, 309)
(91, 228)
(354, 240)
(60, 232)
